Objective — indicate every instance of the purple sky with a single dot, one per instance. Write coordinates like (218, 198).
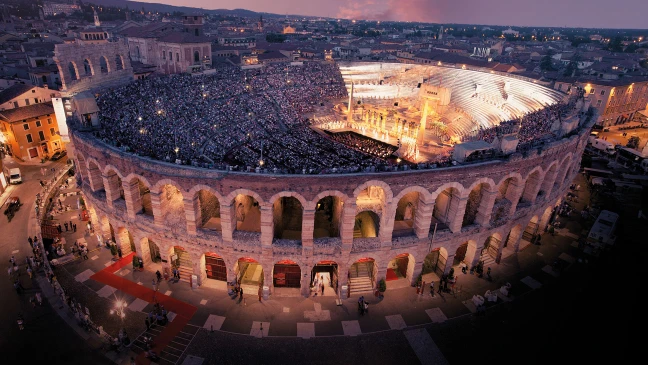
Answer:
(570, 13)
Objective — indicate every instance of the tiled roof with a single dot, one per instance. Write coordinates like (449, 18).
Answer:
(25, 112)
(13, 91)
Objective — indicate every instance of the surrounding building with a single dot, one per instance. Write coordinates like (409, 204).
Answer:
(31, 132)
(19, 95)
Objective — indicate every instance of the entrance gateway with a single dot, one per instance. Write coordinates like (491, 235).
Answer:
(249, 274)
(325, 272)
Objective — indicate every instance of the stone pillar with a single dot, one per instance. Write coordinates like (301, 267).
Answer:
(449, 262)
(192, 213)
(414, 269)
(456, 212)
(267, 228)
(199, 268)
(308, 226)
(531, 187)
(96, 180)
(423, 218)
(143, 250)
(156, 198)
(133, 198)
(348, 221)
(387, 225)
(111, 185)
(123, 240)
(513, 193)
(267, 278)
(485, 209)
(227, 224)
(473, 255)
(343, 275)
(381, 273)
(305, 280)
(548, 181)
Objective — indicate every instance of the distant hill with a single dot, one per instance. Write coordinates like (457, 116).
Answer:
(164, 8)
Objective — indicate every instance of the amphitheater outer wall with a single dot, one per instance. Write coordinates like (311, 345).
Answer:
(535, 182)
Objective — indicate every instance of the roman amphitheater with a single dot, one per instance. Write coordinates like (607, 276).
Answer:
(275, 227)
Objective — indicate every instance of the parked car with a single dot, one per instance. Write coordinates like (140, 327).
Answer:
(58, 155)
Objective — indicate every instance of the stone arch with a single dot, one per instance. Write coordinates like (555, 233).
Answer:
(362, 274)
(367, 224)
(506, 198)
(206, 207)
(532, 185)
(478, 202)
(425, 195)
(285, 194)
(313, 203)
(139, 195)
(94, 175)
(288, 215)
(104, 66)
(171, 205)
(196, 57)
(245, 210)
(214, 267)
(286, 273)
(388, 194)
(88, 70)
(401, 266)
(447, 210)
(327, 218)
(113, 183)
(73, 70)
(119, 62)
(549, 179)
(81, 166)
(563, 170)
(231, 196)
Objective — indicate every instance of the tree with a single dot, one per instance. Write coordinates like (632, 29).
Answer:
(275, 38)
(572, 67)
(616, 45)
(633, 142)
(546, 62)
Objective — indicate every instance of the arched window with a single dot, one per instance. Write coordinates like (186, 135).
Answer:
(119, 62)
(73, 73)
(103, 64)
(196, 57)
(87, 68)
(86, 36)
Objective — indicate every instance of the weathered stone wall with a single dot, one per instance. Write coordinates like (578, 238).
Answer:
(76, 53)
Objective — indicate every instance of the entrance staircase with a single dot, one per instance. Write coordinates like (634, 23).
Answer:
(186, 267)
(360, 279)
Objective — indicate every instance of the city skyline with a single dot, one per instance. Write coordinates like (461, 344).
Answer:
(550, 13)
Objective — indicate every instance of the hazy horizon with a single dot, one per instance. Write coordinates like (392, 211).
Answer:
(624, 14)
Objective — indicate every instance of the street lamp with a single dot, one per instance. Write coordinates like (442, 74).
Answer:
(119, 309)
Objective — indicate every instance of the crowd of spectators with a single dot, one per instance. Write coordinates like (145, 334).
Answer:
(245, 119)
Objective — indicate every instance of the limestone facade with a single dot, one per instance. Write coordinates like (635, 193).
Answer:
(446, 208)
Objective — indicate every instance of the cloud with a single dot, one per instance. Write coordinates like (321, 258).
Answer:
(395, 10)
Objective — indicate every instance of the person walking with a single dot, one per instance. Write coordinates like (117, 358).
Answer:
(322, 285)
(119, 252)
(85, 253)
(158, 275)
(74, 226)
(147, 323)
(432, 289)
(66, 226)
(29, 271)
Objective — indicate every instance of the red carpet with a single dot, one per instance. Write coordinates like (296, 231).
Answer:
(391, 275)
(183, 311)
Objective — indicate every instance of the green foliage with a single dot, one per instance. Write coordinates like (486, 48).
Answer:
(616, 45)
(135, 262)
(546, 62)
(275, 38)
(633, 142)
(382, 285)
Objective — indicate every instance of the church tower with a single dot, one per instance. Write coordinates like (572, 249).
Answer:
(96, 18)
(260, 24)
(440, 37)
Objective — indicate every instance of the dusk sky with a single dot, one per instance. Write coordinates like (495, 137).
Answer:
(570, 13)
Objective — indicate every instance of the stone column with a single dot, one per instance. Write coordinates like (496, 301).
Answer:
(227, 224)
(199, 268)
(267, 228)
(111, 185)
(156, 198)
(387, 225)
(472, 256)
(305, 280)
(423, 219)
(348, 221)
(513, 193)
(456, 212)
(143, 250)
(267, 279)
(133, 198)
(308, 226)
(123, 240)
(485, 209)
(192, 213)
(414, 269)
(449, 262)
(96, 180)
(548, 181)
(531, 193)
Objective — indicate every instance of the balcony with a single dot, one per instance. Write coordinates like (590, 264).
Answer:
(286, 247)
(248, 242)
(401, 242)
(327, 246)
(365, 244)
